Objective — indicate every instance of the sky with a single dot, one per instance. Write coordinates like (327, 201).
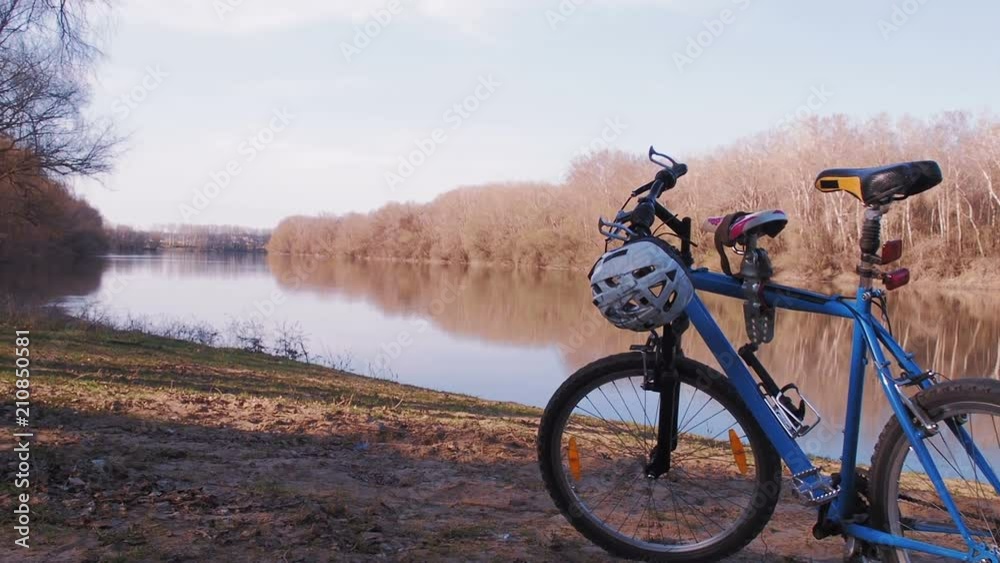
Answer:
(247, 111)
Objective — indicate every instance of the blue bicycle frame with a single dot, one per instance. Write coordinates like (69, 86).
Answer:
(869, 339)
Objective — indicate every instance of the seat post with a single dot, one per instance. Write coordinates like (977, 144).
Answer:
(871, 232)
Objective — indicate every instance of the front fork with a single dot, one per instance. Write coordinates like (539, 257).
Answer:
(660, 355)
(915, 423)
(666, 434)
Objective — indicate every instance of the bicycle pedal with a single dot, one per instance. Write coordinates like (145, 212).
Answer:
(816, 492)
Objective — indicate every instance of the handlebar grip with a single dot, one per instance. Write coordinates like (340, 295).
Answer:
(667, 177)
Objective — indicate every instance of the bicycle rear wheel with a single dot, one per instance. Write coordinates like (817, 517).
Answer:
(596, 439)
(905, 502)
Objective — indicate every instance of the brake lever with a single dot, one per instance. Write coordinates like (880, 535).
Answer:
(613, 230)
(674, 168)
(653, 153)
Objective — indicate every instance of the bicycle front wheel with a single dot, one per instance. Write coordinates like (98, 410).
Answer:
(595, 444)
(905, 501)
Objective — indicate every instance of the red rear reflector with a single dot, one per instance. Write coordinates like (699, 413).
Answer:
(896, 279)
(891, 251)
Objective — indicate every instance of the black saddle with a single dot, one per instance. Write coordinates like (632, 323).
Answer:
(881, 185)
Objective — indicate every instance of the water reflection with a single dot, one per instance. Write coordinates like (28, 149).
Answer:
(515, 335)
(955, 333)
(41, 282)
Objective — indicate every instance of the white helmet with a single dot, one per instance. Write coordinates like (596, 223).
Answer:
(640, 286)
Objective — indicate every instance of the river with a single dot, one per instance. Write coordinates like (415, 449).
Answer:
(498, 333)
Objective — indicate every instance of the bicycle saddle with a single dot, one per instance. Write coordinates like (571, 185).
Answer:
(881, 185)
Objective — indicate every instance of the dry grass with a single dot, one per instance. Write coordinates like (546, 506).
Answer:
(153, 449)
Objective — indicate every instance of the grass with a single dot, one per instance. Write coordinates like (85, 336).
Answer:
(216, 453)
(135, 366)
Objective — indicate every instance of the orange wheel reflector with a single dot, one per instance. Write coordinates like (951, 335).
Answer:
(739, 452)
(574, 459)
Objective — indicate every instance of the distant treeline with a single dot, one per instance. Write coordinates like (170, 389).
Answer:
(203, 238)
(949, 231)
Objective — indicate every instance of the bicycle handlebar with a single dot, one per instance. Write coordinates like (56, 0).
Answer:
(666, 179)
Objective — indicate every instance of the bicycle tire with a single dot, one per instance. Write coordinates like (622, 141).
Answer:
(767, 463)
(887, 482)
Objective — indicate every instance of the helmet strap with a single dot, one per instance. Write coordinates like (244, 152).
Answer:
(722, 239)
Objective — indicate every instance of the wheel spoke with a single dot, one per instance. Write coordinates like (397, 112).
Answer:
(908, 502)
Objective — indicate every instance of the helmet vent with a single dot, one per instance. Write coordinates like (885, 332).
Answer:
(672, 274)
(657, 289)
(670, 301)
(613, 282)
(614, 255)
(643, 272)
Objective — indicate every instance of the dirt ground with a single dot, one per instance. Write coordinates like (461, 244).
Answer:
(155, 450)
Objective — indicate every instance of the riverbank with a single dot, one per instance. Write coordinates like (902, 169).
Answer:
(153, 449)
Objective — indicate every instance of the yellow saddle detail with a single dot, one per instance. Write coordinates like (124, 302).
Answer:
(849, 184)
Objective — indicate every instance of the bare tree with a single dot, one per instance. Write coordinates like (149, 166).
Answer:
(46, 49)
(553, 225)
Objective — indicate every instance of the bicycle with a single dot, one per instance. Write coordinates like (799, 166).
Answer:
(654, 456)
